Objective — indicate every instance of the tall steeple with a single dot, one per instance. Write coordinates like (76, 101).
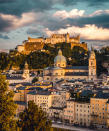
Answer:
(92, 66)
(26, 71)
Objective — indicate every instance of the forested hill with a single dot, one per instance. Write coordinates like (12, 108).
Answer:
(41, 59)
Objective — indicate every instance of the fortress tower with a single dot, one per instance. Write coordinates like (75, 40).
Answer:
(92, 66)
(67, 38)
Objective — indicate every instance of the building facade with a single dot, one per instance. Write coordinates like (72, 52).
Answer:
(60, 70)
(34, 44)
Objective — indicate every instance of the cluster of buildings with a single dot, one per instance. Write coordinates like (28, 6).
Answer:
(60, 70)
(88, 107)
(34, 44)
(67, 94)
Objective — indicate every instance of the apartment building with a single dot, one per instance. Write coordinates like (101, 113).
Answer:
(42, 98)
(99, 109)
(82, 113)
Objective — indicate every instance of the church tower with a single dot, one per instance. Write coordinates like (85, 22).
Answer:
(92, 66)
(26, 71)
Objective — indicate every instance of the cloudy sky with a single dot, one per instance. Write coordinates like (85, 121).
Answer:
(22, 18)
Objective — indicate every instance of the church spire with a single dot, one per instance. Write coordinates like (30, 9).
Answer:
(59, 52)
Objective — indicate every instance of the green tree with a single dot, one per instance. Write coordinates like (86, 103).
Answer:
(7, 107)
(34, 119)
(79, 56)
(35, 79)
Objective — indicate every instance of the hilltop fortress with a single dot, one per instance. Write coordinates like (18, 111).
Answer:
(33, 44)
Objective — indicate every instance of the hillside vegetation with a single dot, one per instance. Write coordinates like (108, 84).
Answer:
(76, 56)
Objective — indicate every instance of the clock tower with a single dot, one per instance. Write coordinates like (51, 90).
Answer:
(92, 66)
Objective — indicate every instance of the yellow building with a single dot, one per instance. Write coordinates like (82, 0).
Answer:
(34, 44)
(42, 99)
(46, 100)
(77, 112)
(60, 70)
(82, 113)
(99, 109)
(69, 112)
(108, 114)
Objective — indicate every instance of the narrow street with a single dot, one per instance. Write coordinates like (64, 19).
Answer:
(73, 128)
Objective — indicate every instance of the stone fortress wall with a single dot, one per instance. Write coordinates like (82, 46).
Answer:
(33, 44)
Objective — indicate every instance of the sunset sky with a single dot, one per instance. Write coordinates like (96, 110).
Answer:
(22, 18)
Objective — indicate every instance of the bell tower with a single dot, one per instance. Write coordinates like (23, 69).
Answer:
(26, 71)
(92, 66)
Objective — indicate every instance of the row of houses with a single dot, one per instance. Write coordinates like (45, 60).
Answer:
(61, 107)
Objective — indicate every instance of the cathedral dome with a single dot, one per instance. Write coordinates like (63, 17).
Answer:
(60, 60)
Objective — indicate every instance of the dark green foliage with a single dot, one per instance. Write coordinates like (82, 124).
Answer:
(79, 56)
(7, 107)
(39, 60)
(66, 49)
(35, 79)
(34, 119)
(102, 56)
(3, 60)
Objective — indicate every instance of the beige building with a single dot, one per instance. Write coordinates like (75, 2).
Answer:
(19, 76)
(77, 112)
(42, 99)
(92, 66)
(60, 70)
(58, 104)
(56, 38)
(100, 110)
(108, 114)
(49, 101)
(69, 112)
(82, 113)
(33, 44)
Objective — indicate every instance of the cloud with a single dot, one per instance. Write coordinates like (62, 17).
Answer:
(17, 7)
(6, 1)
(100, 18)
(11, 22)
(71, 14)
(96, 3)
(93, 26)
(4, 36)
(89, 32)
(37, 31)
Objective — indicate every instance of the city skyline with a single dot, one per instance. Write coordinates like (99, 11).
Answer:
(20, 19)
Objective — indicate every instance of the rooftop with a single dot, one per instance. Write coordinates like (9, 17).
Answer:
(39, 93)
(77, 67)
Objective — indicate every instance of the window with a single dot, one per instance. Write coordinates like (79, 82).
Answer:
(56, 74)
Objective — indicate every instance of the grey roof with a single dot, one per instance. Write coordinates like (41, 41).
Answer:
(21, 103)
(39, 92)
(14, 78)
(76, 74)
(102, 95)
(21, 88)
(85, 93)
(77, 67)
